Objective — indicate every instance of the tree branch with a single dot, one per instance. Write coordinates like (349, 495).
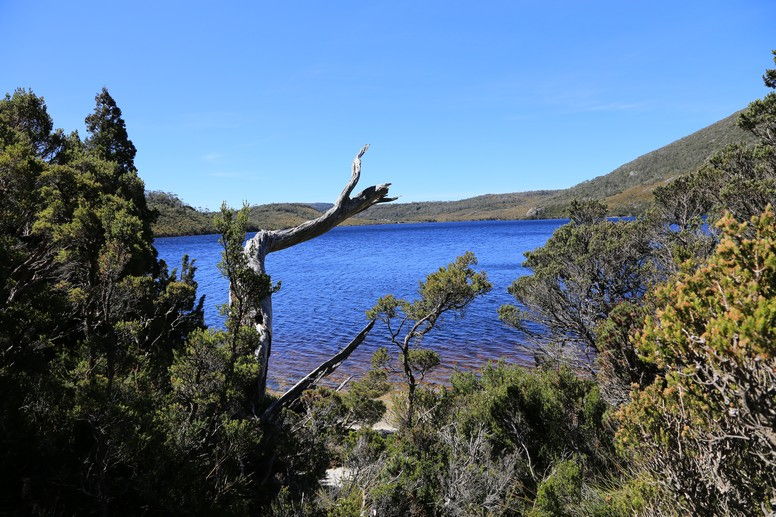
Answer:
(344, 208)
(315, 376)
(355, 169)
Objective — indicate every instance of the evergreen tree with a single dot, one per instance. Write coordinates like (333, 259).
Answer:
(108, 133)
(449, 290)
(109, 141)
(89, 318)
(587, 268)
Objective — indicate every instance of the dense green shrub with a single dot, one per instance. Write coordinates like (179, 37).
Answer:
(488, 444)
(705, 426)
(578, 277)
(90, 318)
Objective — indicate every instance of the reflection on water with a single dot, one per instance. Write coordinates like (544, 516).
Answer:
(329, 282)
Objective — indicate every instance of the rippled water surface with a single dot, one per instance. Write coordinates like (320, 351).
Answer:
(329, 282)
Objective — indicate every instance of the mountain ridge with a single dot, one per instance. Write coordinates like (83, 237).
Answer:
(627, 190)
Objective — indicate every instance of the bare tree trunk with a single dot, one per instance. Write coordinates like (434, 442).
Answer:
(268, 241)
(257, 249)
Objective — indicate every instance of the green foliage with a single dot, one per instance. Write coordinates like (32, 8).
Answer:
(108, 134)
(635, 495)
(587, 211)
(209, 424)
(90, 318)
(449, 290)
(422, 361)
(246, 287)
(619, 368)
(360, 399)
(559, 494)
(567, 491)
(704, 427)
(350, 506)
(356, 406)
(24, 119)
(210, 419)
(174, 217)
(546, 414)
(494, 445)
(578, 277)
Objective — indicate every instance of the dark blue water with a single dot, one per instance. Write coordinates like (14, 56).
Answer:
(329, 282)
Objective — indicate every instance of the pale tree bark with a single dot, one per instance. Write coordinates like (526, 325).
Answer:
(268, 241)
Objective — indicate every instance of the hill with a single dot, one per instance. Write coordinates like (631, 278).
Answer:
(627, 190)
(177, 218)
(517, 205)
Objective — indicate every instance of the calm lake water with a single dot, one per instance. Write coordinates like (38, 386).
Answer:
(329, 282)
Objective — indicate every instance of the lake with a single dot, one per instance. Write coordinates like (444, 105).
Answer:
(329, 282)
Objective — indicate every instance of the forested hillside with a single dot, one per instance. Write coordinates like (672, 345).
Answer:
(627, 190)
(176, 217)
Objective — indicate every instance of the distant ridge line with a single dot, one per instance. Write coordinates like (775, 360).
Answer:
(627, 190)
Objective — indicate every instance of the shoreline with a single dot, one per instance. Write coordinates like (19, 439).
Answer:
(166, 235)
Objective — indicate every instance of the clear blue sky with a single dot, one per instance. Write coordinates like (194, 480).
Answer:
(268, 101)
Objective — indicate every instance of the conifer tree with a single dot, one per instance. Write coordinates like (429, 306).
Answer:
(89, 318)
(109, 139)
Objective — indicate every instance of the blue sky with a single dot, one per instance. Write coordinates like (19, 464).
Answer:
(268, 101)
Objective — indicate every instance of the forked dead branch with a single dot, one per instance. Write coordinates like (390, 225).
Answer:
(268, 241)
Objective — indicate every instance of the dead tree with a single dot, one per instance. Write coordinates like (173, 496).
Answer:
(268, 241)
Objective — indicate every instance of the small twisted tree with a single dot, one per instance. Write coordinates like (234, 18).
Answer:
(587, 268)
(451, 289)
